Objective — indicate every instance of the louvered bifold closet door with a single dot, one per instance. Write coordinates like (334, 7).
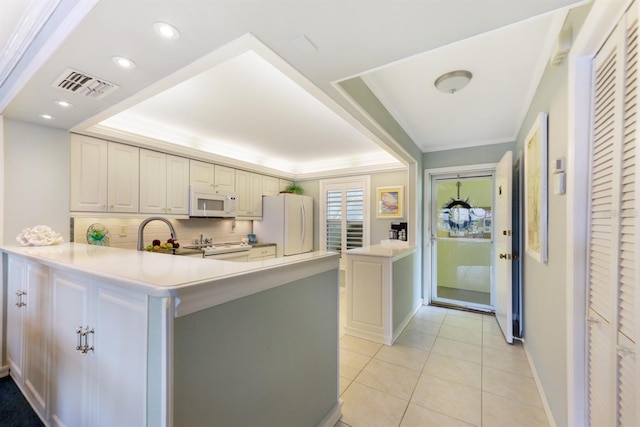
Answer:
(600, 298)
(627, 292)
(613, 240)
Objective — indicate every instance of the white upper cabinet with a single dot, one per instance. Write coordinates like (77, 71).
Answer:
(118, 178)
(104, 176)
(88, 174)
(225, 178)
(270, 186)
(153, 182)
(219, 178)
(164, 183)
(123, 176)
(177, 185)
(249, 194)
(201, 174)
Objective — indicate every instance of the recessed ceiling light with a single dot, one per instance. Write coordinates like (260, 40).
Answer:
(166, 31)
(63, 103)
(46, 116)
(124, 62)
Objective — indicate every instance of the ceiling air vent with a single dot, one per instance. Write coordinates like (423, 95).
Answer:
(84, 84)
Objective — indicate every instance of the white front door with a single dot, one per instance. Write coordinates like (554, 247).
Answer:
(503, 245)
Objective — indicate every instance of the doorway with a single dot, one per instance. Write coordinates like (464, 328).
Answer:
(462, 239)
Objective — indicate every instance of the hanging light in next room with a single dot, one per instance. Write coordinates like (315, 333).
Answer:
(453, 81)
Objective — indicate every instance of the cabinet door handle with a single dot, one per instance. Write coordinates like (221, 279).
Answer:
(19, 302)
(83, 339)
(79, 335)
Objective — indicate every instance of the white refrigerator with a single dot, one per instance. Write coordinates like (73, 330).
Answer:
(287, 221)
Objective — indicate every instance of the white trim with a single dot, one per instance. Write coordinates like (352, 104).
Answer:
(31, 22)
(426, 215)
(66, 27)
(268, 274)
(166, 360)
(543, 396)
(602, 19)
(343, 183)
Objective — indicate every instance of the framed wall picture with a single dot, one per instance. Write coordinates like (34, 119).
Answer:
(389, 202)
(535, 190)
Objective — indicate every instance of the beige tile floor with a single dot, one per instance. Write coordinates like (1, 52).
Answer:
(448, 368)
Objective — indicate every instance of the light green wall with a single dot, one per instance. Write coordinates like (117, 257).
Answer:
(545, 287)
(269, 359)
(466, 156)
(360, 92)
(379, 228)
(36, 178)
(407, 289)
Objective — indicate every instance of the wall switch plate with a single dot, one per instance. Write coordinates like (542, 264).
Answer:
(123, 231)
(559, 184)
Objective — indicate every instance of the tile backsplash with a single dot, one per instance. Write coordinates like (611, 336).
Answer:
(123, 232)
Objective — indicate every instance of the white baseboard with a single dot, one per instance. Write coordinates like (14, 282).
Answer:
(543, 396)
(333, 416)
(4, 371)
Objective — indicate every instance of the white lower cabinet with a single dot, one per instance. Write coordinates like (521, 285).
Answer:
(27, 330)
(99, 354)
(261, 253)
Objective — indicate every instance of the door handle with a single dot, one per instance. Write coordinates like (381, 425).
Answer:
(505, 256)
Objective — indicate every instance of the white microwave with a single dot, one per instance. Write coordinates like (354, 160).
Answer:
(207, 203)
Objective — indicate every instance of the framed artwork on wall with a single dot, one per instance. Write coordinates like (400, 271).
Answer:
(535, 189)
(389, 202)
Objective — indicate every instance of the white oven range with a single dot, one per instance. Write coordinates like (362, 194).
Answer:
(224, 251)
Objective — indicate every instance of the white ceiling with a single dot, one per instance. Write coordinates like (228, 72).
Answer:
(239, 84)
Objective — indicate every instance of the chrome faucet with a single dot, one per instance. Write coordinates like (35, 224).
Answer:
(144, 224)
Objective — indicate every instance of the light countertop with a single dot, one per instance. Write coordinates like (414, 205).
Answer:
(153, 273)
(383, 250)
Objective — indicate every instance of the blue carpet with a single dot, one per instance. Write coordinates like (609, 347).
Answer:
(15, 411)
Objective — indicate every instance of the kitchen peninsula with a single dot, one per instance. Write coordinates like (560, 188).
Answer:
(383, 290)
(107, 336)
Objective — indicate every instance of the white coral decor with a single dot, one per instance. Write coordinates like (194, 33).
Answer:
(40, 235)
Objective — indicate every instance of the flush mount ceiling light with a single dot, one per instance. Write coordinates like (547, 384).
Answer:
(166, 31)
(453, 81)
(123, 62)
(46, 116)
(63, 103)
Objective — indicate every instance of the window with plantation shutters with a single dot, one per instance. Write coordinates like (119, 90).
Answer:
(612, 248)
(344, 213)
(334, 217)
